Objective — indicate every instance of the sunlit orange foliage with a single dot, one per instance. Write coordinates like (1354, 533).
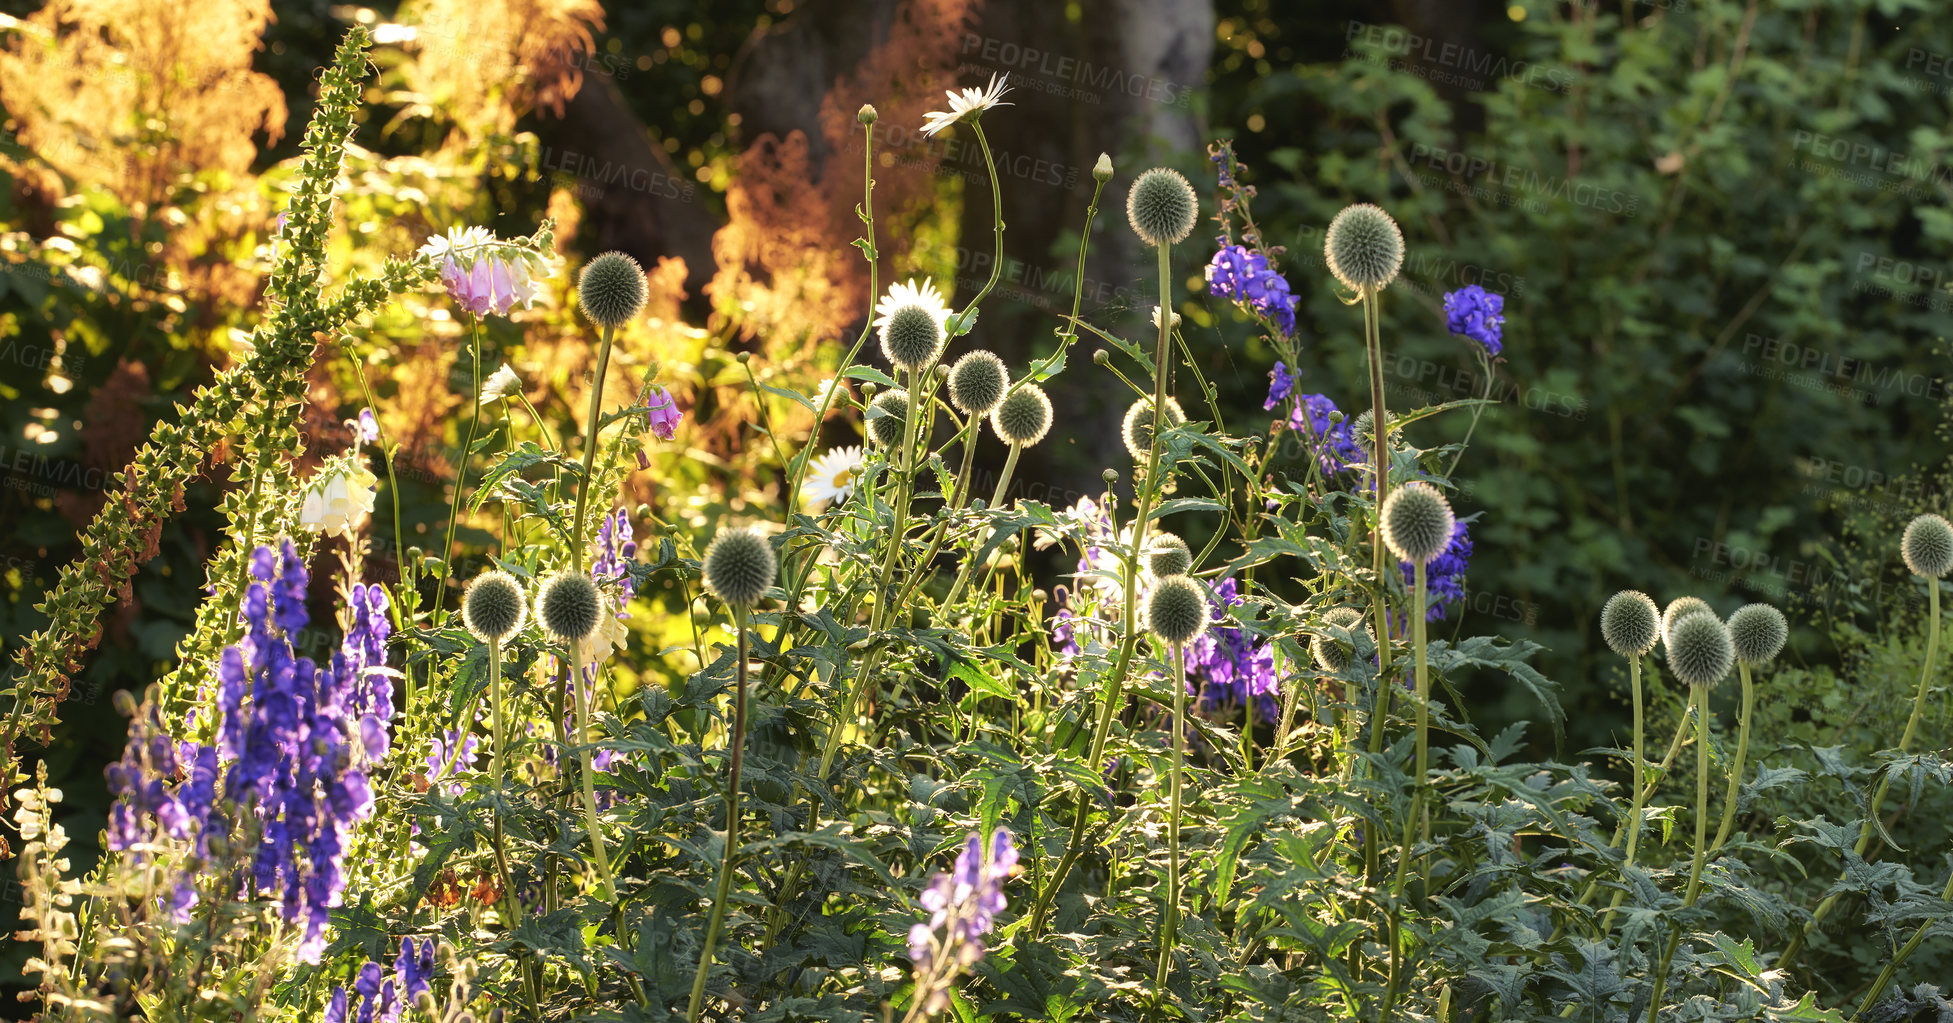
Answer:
(133, 94)
(487, 62)
(787, 270)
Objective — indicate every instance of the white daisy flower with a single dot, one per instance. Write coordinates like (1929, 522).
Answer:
(832, 476)
(1156, 318)
(907, 293)
(829, 392)
(501, 384)
(966, 105)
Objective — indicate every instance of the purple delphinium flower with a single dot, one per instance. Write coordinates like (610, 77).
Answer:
(1244, 276)
(292, 751)
(1335, 448)
(1444, 577)
(383, 999)
(963, 905)
(1280, 384)
(665, 414)
(1228, 667)
(1473, 312)
(615, 549)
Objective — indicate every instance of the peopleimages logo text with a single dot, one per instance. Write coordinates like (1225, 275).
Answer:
(1526, 182)
(1029, 60)
(1404, 43)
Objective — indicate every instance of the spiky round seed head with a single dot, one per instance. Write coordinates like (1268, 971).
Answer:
(1758, 631)
(494, 607)
(913, 338)
(1928, 546)
(1138, 427)
(977, 383)
(1330, 653)
(611, 289)
(1161, 207)
(1177, 609)
(1167, 555)
(1363, 247)
(887, 429)
(1680, 608)
(1023, 417)
(739, 567)
(1362, 430)
(569, 606)
(1417, 522)
(1700, 651)
(1630, 623)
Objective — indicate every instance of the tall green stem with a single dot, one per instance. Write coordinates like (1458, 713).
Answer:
(460, 476)
(1415, 822)
(1699, 696)
(1640, 793)
(1114, 692)
(589, 452)
(1380, 432)
(586, 695)
(1170, 917)
(1736, 767)
(996, 501)
(719, 904)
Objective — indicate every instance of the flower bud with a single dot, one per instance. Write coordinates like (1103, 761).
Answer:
(1023, 417)
(1102, 170)
(1176, 611)
(611, 290)
(1161, 207)
(1417, 522)
(1700, 652)
(1364, 247)
(1630, 623)
(493, 608)
(739, 567)
(569, 606)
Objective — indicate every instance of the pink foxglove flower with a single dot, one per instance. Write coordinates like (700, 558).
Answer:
(484, 274)
(665, 413)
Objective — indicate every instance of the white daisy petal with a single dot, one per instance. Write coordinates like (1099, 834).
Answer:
(831, 477)
(968, 104)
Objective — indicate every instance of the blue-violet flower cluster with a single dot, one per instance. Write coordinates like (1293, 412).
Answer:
(382, 999)
(963, 905)
(1444, 577)
(1243, 276)
(1478, 314)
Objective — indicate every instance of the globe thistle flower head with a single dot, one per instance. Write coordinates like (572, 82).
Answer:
(611, 290)
(739, 566)
(1176, 610)
(977, 383)
(1680, 608)
(494, 607)
(1928, 546)
(1332, 654)
(1363, 430)
(1161, 207)
(1758, 632)
(569, 606)
(910, 321)
(1364, 248)
(1138, 427)
(1700, 651)
(1167, 555)
(1023, 417)
(1417, 522)
(1630, 623)
(887, 429)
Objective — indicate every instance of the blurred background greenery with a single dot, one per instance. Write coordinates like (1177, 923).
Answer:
(1720, 228)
